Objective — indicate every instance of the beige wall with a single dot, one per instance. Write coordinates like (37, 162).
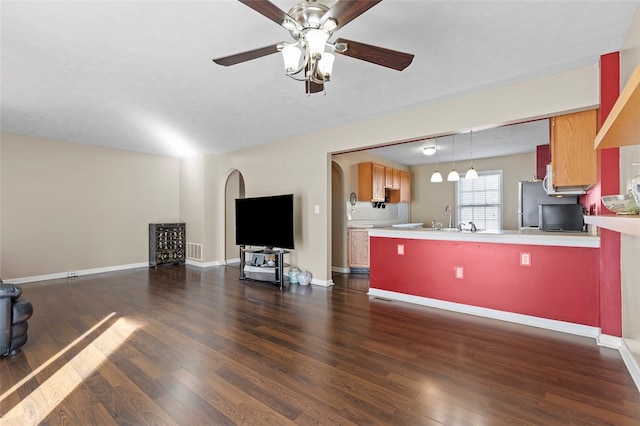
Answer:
(429, 199)
(69, 207)
(192, 197)
(630, 245)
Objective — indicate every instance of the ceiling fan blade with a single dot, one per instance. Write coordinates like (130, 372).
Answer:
(247, 56)
(269, 10)
(374, 54)
(345, 11)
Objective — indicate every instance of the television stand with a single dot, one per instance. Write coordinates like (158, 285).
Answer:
(277, 269)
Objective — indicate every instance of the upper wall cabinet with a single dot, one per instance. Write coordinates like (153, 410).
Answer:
(371, 182)
(376, 181)
(574, 161)
(622, 126)
(404, 194)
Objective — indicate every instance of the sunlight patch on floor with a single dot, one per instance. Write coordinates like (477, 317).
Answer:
(41, 401)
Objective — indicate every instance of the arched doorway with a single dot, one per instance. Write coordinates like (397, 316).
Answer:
(338, 220)
(234, 188)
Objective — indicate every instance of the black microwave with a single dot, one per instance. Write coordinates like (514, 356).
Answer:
(561, 217)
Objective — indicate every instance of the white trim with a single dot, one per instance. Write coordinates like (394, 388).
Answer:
(322, 283)
(609, 341)
(630, 362)
(204, 264)
(565, 327)
(339, 270)
(526, 237)
(81, 272)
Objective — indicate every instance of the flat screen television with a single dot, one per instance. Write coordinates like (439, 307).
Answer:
(265, 221)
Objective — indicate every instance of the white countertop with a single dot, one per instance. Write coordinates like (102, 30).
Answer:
(529, 237)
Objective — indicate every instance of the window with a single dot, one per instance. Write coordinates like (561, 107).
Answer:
(480, 200)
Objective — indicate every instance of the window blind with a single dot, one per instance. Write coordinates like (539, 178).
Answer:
(480, 200)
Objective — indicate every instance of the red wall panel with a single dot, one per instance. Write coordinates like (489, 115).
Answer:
(561, 283)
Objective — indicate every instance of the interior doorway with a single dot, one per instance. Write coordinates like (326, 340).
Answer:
(338, 220)
(234, 188)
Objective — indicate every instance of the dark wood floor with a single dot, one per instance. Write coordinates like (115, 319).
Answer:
(181, 345)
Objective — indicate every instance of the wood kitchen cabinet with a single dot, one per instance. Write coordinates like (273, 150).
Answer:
(371, 182)
(403, 195)
(358, 248)
(573, 157)
(396, 179)
(391, 178)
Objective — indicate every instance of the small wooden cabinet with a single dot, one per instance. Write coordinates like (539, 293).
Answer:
(358, 248)
(371, 182)
(396, 179)
(573, 157)
(403, 195)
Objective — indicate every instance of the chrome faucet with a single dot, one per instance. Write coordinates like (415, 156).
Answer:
(435, 225)
(447, 211)
(473, 227)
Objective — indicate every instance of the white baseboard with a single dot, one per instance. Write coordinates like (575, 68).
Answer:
(609, 341)
(322, 283)
(204, 264)
(339, 270)
(630, 362)
(81, 272)
(566, 327)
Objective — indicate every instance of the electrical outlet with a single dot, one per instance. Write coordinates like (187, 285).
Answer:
(401, 249)
(459, 270)
(316, 209)
(525, 259)
(72, 274)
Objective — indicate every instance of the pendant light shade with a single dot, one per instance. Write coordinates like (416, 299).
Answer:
(453, 175)
(471, 173)
(436, 176)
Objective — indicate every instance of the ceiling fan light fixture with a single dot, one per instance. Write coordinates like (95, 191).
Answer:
(316, 40)
(325, 65)
(330, 24)
(429, 150)
(291, 55)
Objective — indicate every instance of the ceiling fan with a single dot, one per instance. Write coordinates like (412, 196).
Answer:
(311, 24)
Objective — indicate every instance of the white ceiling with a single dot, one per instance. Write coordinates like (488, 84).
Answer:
(139, 76)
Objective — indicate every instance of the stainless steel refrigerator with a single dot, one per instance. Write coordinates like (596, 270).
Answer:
(530, 196)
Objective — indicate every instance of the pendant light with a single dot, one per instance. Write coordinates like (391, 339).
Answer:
(436, 176)
(471, 173)
(453, 175)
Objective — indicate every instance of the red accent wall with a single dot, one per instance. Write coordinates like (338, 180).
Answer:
(562, 283)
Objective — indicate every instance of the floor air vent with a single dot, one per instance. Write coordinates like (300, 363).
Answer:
(194, 251)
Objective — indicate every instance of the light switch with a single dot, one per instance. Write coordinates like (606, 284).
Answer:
(316, 209)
